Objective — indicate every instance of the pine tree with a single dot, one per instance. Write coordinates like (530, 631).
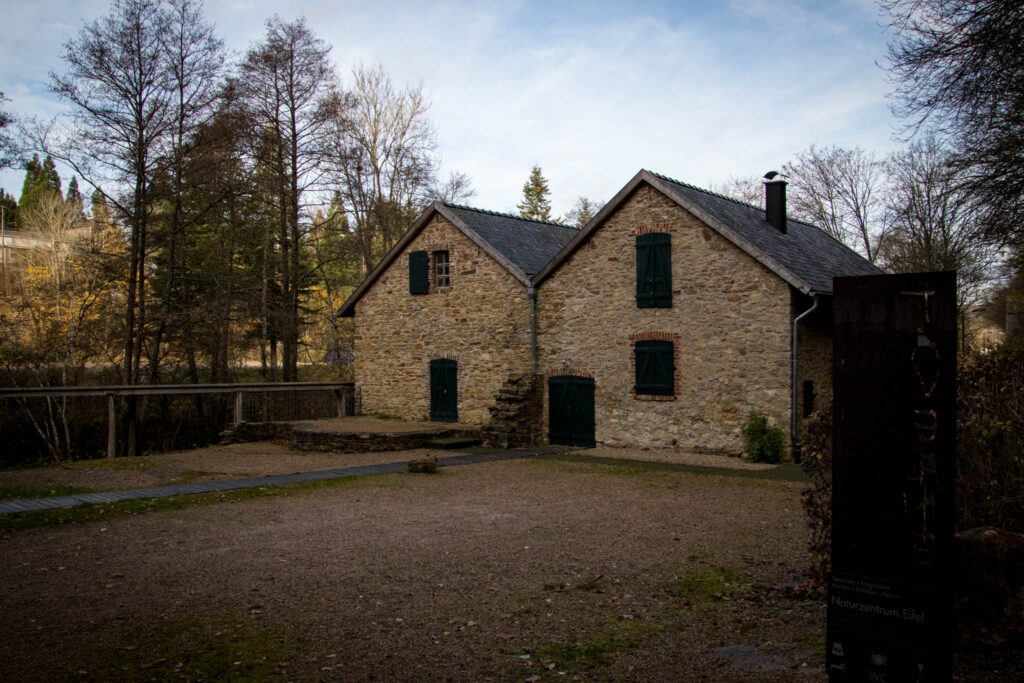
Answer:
(40, 178)
(536, 203)
(10, 210)
(582, 212)
(74, 196)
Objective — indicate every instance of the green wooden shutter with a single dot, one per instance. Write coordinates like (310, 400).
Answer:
(583, 413)
(654, 270)
(419, 279)
(655, 367)
(559, 412)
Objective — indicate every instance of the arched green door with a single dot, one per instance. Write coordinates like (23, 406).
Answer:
(444, 390)
(571, 411)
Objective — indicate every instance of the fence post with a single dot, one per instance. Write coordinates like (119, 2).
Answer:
(238, 407)
(111, 427)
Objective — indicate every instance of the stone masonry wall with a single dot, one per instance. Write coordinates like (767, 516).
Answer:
(814, 355)
(481, 321)
(731, 315)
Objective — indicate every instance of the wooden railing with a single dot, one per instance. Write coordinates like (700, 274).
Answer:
(344, 392)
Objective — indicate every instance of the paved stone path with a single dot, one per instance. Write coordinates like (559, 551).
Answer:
(33, 504)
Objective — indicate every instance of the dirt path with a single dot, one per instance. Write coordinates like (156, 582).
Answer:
(203, 464)
(510, 570)
(263, 458)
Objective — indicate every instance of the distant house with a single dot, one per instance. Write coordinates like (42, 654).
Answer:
(664, 322)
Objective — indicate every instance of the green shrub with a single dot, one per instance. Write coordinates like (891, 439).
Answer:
(763, 442)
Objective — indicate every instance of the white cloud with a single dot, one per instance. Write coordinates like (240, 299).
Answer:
(698, 91)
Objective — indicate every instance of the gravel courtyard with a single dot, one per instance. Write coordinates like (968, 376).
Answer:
(533, 570)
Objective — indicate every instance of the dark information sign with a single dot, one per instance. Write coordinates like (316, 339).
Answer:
(890, 607)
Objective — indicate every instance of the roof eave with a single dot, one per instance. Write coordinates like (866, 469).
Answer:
(657, 183)
(479, 241)
(348, 309)
(572, 245)
(753, 251)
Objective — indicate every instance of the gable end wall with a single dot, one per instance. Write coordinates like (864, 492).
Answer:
(731, 315)
(481, 321)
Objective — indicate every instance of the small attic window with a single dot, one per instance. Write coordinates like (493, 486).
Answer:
(442, 269)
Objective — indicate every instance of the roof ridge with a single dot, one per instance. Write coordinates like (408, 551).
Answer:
(731, 199)
(705, 191)
(509, 215)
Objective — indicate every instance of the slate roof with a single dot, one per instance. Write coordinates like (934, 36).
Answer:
(805, 256)
(805, 250)
(527, 243)
(521, 245)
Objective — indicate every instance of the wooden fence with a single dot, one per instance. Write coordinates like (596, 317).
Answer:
(344, 393)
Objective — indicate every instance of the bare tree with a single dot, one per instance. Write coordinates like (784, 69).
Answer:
(958, 68)
(840, 191)
(122, 112)
(457, 187)
(55, 321)
(291, 92)
(934, 221)
(386, 161)
(749, 190)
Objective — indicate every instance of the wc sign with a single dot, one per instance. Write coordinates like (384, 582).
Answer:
(890, 610)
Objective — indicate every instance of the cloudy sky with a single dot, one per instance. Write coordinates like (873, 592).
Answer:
(593, 91)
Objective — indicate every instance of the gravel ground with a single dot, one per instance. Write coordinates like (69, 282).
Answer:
(522, 570)
(517, 570)
(203, 464)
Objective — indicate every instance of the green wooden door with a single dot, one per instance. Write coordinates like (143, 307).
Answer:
(571, 411)
(444, 390)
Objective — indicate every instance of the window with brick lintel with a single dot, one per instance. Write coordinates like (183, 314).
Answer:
(654, 270)
(655, 367)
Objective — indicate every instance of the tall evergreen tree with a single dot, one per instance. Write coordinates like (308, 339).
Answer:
(536, 203)
(8, 145)
(41, 179)
(10, 210)
(74, 196)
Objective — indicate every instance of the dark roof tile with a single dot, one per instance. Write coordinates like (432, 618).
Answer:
(806, 251)
(525, 242)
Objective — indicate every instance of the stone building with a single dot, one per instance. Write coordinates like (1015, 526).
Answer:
(445, 319)
(664, 322)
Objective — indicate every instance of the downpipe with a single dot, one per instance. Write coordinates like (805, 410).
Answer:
(795, 446)
(531, 293)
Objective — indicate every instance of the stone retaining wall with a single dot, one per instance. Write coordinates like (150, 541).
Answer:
(336, 442)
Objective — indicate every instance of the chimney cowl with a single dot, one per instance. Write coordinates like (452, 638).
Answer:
(775, 201)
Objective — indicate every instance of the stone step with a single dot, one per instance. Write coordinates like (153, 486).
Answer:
(453, 442)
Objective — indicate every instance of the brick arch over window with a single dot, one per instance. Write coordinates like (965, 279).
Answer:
(571, 371)
(651, 343)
